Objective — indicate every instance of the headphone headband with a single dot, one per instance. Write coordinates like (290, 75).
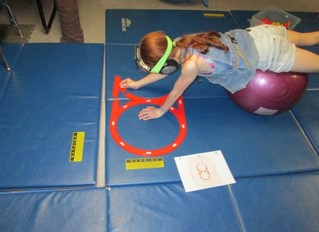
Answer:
(159, 65)
(164, 65)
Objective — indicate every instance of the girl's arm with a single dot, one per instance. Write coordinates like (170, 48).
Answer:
(150, 78)
(187, 77)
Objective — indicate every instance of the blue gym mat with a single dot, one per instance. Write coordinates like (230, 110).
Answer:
(168, 208)
(252, 145)
(307, 114)
(278, 203)
(128, 26)
(246, 140)
(52, 92)
(61, 210)
(268, 203)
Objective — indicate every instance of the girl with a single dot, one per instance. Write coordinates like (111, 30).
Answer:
(228, 59)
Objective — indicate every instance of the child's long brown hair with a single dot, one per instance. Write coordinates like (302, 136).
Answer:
(153, 45)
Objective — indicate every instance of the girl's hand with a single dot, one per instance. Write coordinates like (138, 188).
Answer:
(128, 83)
(150, 112)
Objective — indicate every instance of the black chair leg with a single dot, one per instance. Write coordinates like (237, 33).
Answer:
(4, 59)
(205, 2)
(12, 18)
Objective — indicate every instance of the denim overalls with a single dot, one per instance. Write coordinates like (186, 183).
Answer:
(235, 68)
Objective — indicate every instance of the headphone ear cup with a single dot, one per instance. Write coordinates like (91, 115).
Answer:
(169, 67)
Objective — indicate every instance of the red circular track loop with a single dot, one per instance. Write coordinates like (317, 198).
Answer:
(117, 110)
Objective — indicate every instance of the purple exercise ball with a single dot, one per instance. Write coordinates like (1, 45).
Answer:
(270, 93)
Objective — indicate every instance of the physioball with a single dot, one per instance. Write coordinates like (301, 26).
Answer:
(270, 93)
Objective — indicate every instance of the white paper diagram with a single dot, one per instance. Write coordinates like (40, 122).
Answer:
(203, 170)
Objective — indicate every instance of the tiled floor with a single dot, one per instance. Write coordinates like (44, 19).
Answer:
(93, 19)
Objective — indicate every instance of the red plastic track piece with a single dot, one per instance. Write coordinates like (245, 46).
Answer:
(117, 110)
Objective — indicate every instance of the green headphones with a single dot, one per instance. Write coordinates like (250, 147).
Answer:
(164, 65)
